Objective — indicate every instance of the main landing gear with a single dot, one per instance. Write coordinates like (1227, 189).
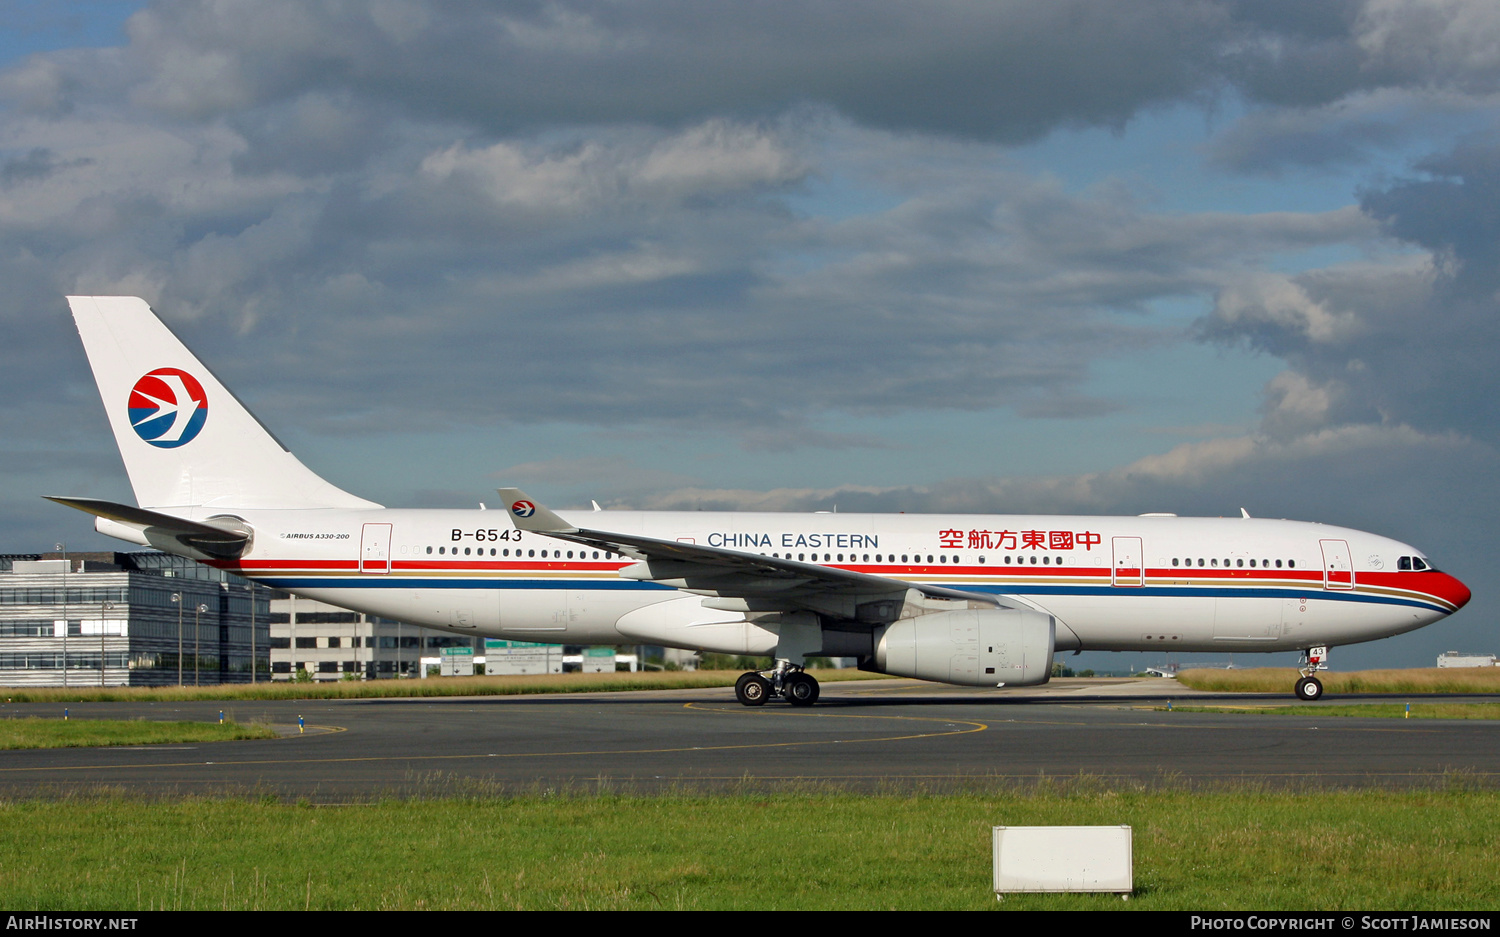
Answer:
(1310, 687)
(787, 681)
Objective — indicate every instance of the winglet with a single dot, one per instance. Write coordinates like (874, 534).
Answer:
(526, 514)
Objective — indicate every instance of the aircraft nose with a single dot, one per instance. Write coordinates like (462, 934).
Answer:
(1451, 589)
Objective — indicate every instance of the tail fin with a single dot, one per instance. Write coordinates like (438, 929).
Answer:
(186, 441)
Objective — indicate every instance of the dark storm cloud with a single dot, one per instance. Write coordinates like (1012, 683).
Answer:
(329, 75)
(1007, 70)
(1409, 343)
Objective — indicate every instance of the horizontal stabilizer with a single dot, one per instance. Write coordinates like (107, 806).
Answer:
(170, 533)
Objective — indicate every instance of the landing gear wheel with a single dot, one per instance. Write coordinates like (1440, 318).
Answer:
(1309, 688)
(751, 689)
(800, 689)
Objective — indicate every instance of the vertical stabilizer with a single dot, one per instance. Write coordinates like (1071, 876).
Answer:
(186, 441)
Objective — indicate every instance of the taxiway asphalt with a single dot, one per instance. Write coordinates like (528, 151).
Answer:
(865, 735)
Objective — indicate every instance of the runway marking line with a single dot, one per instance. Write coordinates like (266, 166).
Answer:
(972, 727)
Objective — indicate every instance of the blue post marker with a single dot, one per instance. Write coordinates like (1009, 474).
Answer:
(300, 726)
(221, 717)
(65, 714)
(1169, 705)
(1408, 712)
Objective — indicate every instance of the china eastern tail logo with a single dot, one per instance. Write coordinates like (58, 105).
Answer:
(168, 408)
(523, 508)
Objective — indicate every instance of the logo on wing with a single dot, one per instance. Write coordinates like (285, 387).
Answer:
(523, 509)
(168, 408)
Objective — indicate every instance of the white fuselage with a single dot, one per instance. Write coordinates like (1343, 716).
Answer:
(1112, 583)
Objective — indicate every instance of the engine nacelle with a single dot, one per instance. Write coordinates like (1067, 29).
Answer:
(971, 647)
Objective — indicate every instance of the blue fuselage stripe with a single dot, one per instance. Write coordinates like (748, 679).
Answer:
(293, 583)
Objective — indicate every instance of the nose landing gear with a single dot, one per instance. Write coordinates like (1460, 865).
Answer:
(1308, 686)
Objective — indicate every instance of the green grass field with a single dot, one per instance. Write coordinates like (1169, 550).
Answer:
(433, 686)
(1414, 680)
(1199, 850)
(75, 733)
(1387, 710)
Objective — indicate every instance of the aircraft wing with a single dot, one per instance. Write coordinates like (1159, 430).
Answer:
(165, 531)
(736, 581)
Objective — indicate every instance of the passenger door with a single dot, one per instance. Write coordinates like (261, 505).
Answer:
(1129, 567)
(1338, 567)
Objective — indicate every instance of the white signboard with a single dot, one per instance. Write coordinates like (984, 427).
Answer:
(1064, 858)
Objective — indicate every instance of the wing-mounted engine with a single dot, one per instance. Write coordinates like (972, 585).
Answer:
(972, 646)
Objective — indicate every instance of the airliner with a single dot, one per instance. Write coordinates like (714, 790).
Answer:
(966, 599)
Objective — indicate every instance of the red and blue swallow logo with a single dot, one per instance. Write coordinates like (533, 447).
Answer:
(523, 509)
(168, 408)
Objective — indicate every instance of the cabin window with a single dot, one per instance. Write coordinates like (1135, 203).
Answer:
(429, 549)
(1240, 563)
(981, 559)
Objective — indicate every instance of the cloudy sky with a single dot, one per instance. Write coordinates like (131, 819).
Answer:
(1093, 257)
